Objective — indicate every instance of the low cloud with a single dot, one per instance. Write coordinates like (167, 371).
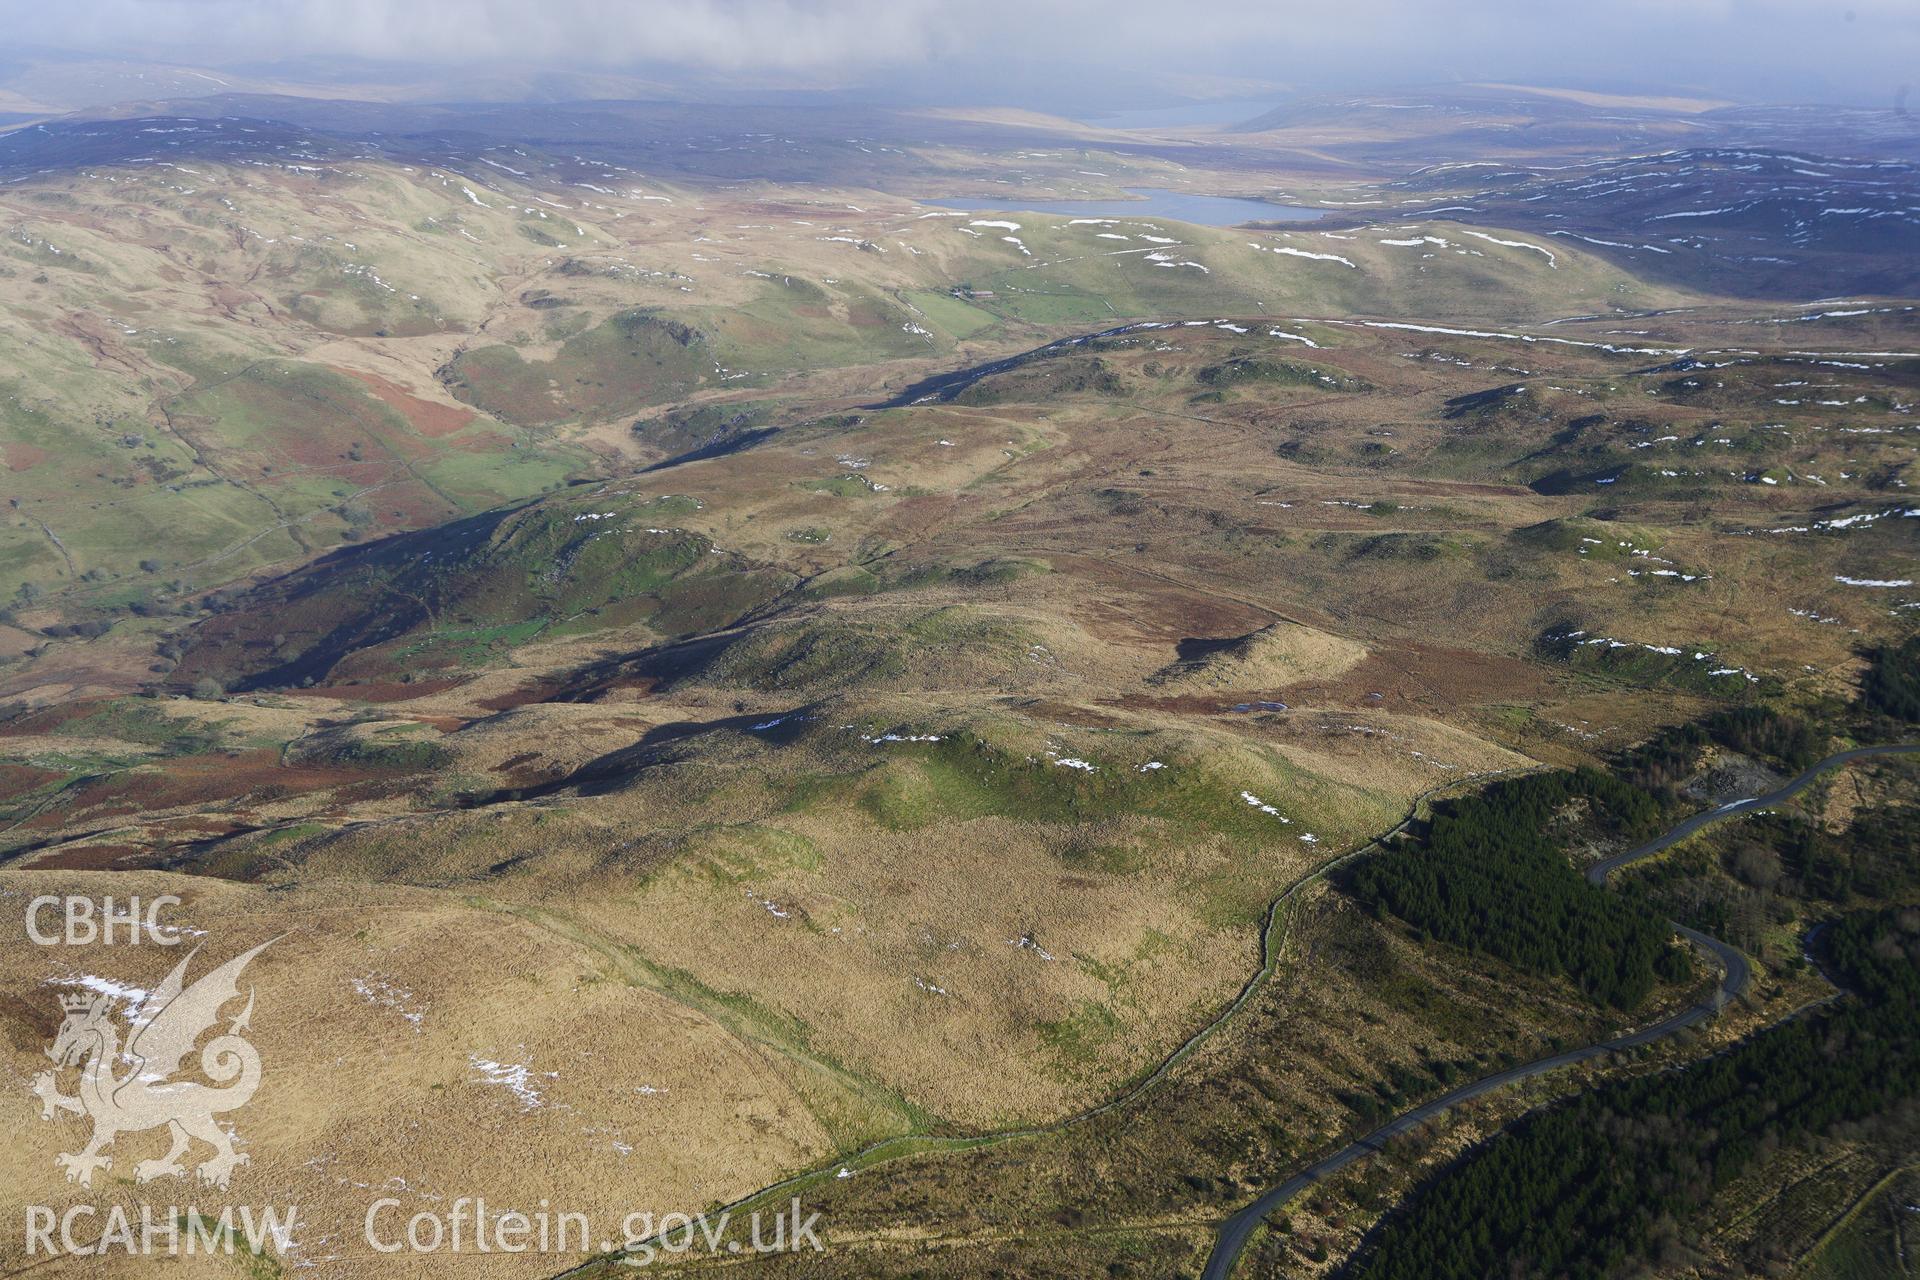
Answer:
(1757, 49)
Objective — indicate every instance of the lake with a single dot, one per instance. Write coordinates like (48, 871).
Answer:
(1153, 202)
(1193, 115)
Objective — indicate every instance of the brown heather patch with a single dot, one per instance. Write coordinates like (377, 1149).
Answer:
(90, 857)
(19, 779)
(22, 456)
(428, 417)
(381, 692)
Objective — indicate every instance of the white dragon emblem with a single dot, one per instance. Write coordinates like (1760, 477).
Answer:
(165, 1028)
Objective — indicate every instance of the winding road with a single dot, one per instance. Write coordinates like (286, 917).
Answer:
(1599, 872)
(1735, 975)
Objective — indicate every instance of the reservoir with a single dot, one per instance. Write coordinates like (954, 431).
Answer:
(1192, 115)
(1152, 202)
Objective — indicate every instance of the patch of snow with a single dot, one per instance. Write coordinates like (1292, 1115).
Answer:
(388, 995)
(1256, 802)
(1292, 252)
(1552, 261)
(133, 996)
(519, 1077)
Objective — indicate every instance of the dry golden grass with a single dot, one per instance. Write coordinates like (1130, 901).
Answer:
(1276, 656)
(374, 1009)
(825, 887)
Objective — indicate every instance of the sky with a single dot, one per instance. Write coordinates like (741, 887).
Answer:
(1033, 52)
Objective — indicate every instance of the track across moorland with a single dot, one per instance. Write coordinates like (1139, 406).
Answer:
(1270, 943)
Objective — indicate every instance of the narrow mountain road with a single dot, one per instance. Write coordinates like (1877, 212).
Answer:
(1736, 974)
(1599, 872)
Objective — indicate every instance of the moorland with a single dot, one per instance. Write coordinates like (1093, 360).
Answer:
(1026, 729)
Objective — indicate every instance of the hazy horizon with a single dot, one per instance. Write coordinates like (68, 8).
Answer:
(1063, 56)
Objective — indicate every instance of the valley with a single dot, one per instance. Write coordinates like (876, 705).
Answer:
(1027, 729)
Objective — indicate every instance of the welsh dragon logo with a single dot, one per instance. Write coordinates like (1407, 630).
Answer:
(168, 1023)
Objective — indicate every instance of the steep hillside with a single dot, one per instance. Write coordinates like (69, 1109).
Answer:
(457, 594)
(287, 341)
